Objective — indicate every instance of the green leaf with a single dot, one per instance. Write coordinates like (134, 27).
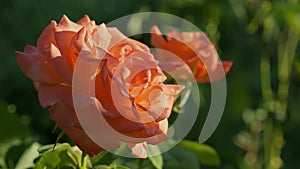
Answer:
(206, 154)
(75, 154)
(157, 160)
(101, 167)
(114, 166)
(45, 148)
(28, 156)
(13, 155)
(63, 156)
(121, 161)
(179, 158)
(144, 164)
(103, 158)
(122, 167)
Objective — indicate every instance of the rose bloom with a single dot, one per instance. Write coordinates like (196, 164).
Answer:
(128, 84)
(195, 49)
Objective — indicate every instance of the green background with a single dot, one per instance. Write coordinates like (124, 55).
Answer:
(225, 21)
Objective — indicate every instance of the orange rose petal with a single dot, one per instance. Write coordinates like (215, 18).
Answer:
(134, 71)
(133, 129)
(209, 57)
(162, 136)
(82, 140)
(160, 113)
(63, 40)
(102, 37)
(159, 104)
(87, 72)
(36, 85)
(63, 115)
(66, 119)
(139, 150)
(202, 75)
(157, 39)
(61, 64)
(78, 41)
(90, 112)
(163, 126)
(227, 66)
(126, 106)
(162, 110)
(190, 47)
(116, 37)
(103, 90)
(181, 50)
(84, 21)
(51, 94)
(46, 38)
(95, 71)
(119, 38)
(65, 30)
(89, 25)
(66, 25)
(33, 66)
(173, 44)
(174, 90)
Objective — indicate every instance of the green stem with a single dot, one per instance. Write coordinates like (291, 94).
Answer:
(265, 71)
(273, 144)
(273, 132)
(267, 141)
(268, 101)
(286, 55)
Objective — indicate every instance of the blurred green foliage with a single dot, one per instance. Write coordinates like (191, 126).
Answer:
(244, 31)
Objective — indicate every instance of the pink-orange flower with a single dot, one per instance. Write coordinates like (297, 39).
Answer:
(195, 49)
(129, 90)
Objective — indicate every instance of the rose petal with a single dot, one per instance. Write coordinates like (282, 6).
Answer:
(174, 45)
(61, 64)
(139, 150)
(46, 38)
(202, 75)
(102, 37)
(133, 129)
(78, 41)
(63, 115)
(84, 21)
(194, 48)
(36, 68)
(156, 37)
(66, 25)
(89, 25)
(64, 33)
(66, 119)
(162, 136)
(51, 94)
(118, 40)
(89, 112)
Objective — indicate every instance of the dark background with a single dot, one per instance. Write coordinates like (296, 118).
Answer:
(225, 21)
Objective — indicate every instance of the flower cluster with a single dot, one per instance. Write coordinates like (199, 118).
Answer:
(129, 90)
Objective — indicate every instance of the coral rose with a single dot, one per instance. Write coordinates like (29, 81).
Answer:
(128, 84)
(195, 49)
